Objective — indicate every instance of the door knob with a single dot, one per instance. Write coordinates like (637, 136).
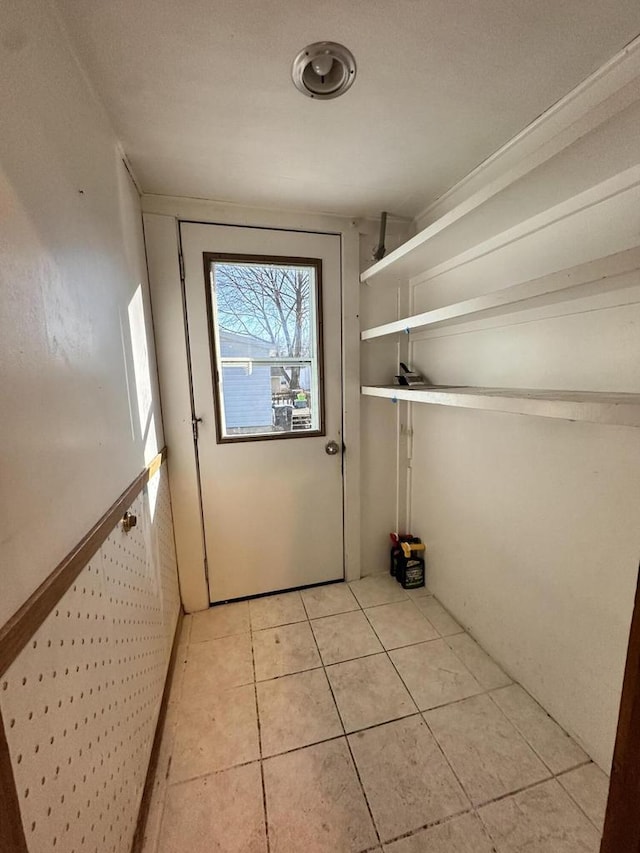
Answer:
(128, 521)
(332, 448)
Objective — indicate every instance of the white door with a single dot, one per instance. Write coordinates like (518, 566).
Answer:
(263, 313)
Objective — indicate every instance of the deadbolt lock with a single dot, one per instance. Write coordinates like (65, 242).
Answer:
(129, 520)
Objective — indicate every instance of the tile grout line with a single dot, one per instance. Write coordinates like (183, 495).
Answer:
(287, 674)
(337, 613)
(304, 746)
(255, 694)
(455, 654)
(375, 726)
(421, 715)
(178, 699)
(473, 808)
(597, 828)
(487, 692)
(514, 682)
(353, 761)
(440, 822)
(524, 736)
(256, 760)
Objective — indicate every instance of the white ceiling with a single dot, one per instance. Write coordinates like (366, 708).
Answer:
(200, 91)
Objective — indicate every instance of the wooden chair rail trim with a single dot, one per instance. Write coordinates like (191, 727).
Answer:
(17, 632)
(150, 779)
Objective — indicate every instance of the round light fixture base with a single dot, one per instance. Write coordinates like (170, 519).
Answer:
(324, 70)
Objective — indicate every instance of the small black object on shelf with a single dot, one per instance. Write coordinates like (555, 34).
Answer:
(409, 377)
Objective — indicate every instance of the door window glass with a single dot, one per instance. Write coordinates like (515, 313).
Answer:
(266, 342)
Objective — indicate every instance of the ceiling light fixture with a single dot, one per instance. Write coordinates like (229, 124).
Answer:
(323, 70)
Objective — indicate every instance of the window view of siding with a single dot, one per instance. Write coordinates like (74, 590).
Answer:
(264, 318)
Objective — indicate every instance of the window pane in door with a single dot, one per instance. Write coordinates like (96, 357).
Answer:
(265, 332)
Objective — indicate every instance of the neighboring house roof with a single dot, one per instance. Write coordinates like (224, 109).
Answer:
(241, 337)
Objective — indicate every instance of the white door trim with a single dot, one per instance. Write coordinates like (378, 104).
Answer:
(161, 233)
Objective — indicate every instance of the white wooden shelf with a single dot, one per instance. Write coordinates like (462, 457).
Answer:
(592, 406)
(422, 254)
(599, 275)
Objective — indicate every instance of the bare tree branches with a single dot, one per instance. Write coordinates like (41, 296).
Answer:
(268, 302)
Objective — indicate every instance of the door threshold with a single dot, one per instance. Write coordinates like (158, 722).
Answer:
(276, 592)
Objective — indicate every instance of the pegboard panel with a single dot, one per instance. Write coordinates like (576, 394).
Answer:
(81, 701)
(159, 499)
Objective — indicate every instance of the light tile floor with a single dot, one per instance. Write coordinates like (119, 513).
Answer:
(358, 717)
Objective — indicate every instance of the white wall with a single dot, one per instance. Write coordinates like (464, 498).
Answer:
(533, 544)
(532, 524)
(73, 290)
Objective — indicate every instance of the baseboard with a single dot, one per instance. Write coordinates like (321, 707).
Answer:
(145, 803)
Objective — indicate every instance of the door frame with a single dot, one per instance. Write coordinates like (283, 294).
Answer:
(171, 334)
(621, 827)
